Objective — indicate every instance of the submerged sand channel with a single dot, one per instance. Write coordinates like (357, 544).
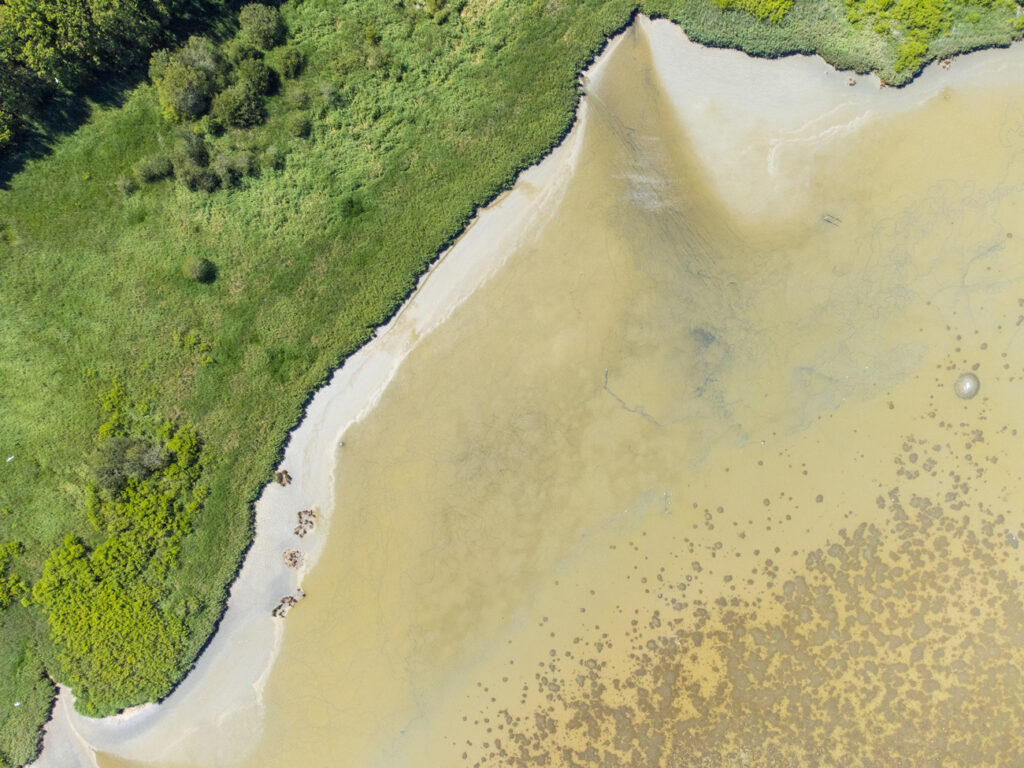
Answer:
(686, 482)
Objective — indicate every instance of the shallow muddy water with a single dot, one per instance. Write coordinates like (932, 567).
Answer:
(686, 482)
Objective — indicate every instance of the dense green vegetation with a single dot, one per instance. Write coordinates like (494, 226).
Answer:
(49, 48)
(223, 239)
(116, 621)
(915, 25)
(772, 10)
(894, 38)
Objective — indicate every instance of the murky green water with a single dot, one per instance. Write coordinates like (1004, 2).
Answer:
(686, 487)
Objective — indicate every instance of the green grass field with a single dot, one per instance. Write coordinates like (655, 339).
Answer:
(415, 120)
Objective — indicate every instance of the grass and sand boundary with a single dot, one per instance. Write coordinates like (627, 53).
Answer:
(214, 694)
(301, 284)
(227, 683)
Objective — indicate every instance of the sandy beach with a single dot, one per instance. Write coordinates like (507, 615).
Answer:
(745, 150)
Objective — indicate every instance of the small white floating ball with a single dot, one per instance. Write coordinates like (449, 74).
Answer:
(967, 386)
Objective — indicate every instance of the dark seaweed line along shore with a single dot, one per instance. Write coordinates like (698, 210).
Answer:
(211, 265)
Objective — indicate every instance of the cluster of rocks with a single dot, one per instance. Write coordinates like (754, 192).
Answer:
(307, 519)
(292, 557)
(286, 604)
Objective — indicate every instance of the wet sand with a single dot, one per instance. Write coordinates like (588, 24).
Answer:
(686, 480)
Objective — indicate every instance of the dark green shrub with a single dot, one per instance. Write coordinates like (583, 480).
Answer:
(191, 158)
(262, 24)
(255, 76)
(184, 91)
(207, 125)
(191, 148)
(153, 168)
(240, 107)
(239, 50)
(112, 465)
(350, 59)
(142, 458)
(189, 78)
(330, 95)
(199, 269)
(299, 125)
(195, 178)
(290, 62)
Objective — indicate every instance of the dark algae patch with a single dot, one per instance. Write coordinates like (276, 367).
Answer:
(898, 641)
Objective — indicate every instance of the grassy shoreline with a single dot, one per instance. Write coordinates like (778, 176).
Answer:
(410, 138)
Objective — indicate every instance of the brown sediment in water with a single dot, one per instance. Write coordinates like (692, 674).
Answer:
(687, 482)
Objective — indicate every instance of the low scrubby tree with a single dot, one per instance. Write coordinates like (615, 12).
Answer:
(262, 24)
(199, 269)
(188, 79)
(191, 161)
(255, 76)
(239, 107)
(290, 62)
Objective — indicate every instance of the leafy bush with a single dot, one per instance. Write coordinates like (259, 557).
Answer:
(191, 148)
(917, 22)
(207, 125)
(255, 76)
(371, 35)
(153, 168)
(299, 125)
(273, 157)
(189, 78)
(199, 269)
(239, 106)
(262, 24)
(184, 91)
(290, 62)
(191, 158)
(239, 50)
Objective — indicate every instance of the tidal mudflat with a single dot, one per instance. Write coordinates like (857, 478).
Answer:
(687, 481)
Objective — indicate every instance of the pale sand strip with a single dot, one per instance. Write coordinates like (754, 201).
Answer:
(734, 126)
(751, 120)
(224, 690)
